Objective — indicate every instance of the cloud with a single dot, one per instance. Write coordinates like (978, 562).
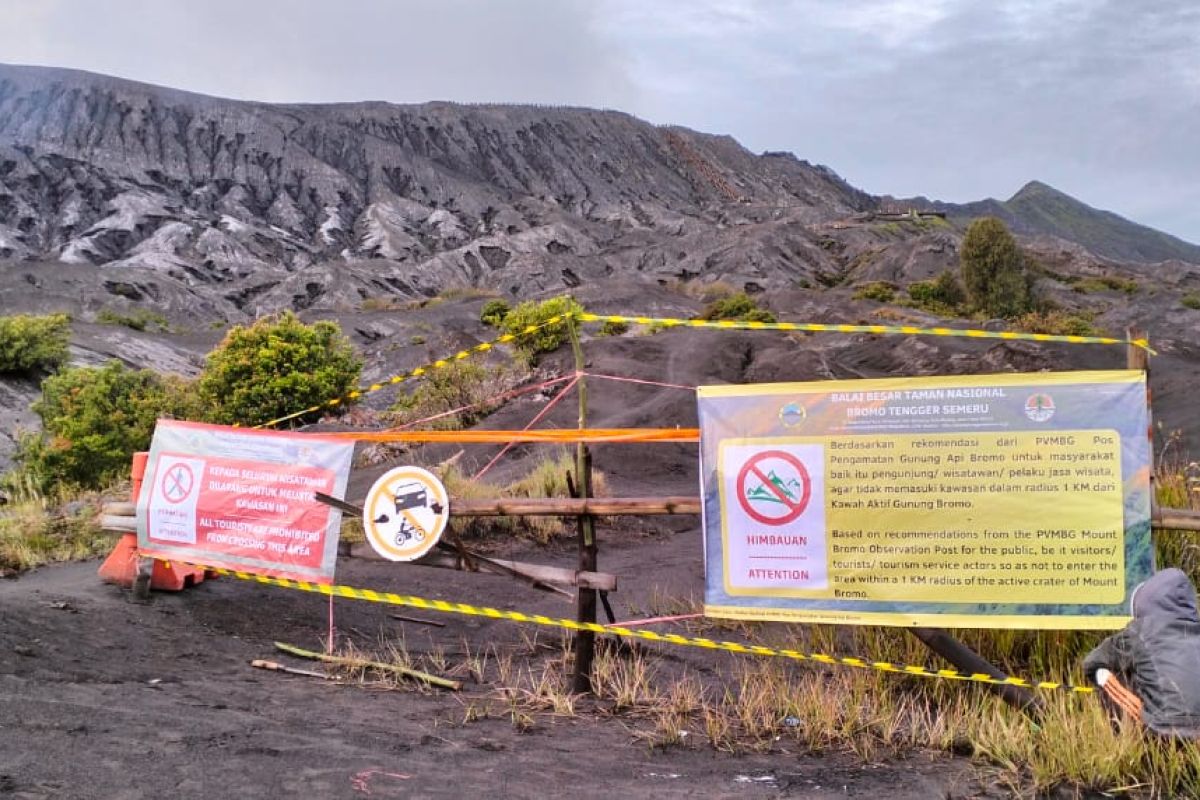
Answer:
(955, 99)
(535, 51)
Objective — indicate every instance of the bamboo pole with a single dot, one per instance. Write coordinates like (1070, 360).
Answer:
(538, 572)
(585, 609)
(363, 663)
(1138, 358)
(585, 641)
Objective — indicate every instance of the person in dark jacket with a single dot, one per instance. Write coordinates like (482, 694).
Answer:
(1157, 655)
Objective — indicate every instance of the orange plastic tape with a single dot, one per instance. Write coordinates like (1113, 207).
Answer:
(566, 435)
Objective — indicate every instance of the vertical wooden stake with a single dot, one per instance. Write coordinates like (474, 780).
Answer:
(585, 641)
(1138, 358)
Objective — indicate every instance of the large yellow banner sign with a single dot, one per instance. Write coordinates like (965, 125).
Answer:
(988, 501)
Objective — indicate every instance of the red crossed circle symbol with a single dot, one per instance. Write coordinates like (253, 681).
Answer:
(790, 507)
(177, 483)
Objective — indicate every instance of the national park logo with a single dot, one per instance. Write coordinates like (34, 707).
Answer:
(1039, 407)
(792, 414)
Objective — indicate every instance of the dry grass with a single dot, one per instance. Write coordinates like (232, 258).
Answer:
(738, 704)
(704, 291)
(547, 478)
(36, 530)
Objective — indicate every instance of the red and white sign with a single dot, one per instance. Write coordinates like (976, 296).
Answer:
(774, 487)
(173, 499)
(243, 499)
(773, 506)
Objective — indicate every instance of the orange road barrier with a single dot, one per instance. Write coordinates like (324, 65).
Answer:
(122, 565)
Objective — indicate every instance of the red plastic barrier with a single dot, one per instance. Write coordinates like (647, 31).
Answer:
(121, 566)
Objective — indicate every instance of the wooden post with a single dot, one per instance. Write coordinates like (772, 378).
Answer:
(585, 641)
(970, 662)
(1139, 359)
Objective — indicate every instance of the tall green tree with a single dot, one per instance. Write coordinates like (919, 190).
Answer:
(994, 269)
(275, 367)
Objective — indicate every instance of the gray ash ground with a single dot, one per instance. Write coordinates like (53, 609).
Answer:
(103, 698)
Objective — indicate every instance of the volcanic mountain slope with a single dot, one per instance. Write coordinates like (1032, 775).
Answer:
(229, 207)
(1041, 210)
(116, 196)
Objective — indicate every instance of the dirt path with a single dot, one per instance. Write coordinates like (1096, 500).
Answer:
(103, 698)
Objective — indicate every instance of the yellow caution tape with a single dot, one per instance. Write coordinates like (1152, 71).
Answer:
(815, 327)
(419, 371)
(563, 623)
(728, 324)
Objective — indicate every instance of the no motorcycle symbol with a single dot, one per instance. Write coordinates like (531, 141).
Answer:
(773, 487)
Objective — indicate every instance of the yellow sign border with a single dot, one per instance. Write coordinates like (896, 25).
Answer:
(940, 381)
(915, 620)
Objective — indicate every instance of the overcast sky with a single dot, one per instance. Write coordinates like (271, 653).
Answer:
(953, 99)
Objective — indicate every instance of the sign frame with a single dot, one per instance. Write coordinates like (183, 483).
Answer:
(1099, 403)
(250, 505)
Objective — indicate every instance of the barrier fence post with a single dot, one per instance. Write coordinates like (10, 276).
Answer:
(967, 660)
(585, 641)
(1139, 358)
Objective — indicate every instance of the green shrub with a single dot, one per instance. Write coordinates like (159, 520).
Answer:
(738, 306)
(493, 312)
(1105, 283)
(994, 270)
(878, 290)
(93, 420)
(456, 385)
(382, 304)
(530, 313)
(942, 295)
(139, 319)
(611, 328)
(1058, 323)
(1191, 300)
(31, 343)
(275, 367)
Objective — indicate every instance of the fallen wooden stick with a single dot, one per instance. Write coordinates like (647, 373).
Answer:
(432, 622)
(275, 666)
(362, 663)
(446, 547)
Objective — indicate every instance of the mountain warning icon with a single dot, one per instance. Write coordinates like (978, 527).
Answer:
(774, 487)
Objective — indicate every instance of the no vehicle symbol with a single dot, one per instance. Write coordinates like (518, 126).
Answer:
(773, 487)
(177, 483)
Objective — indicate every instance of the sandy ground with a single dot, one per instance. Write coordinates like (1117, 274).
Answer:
(104, 698)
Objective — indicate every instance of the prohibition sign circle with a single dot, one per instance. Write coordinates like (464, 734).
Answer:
(791, 506)
(405, 513)
(177, 483)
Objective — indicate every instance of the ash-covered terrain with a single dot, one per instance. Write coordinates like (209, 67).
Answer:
(117, 196)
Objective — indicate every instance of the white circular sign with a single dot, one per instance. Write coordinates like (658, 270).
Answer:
(405, 513)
